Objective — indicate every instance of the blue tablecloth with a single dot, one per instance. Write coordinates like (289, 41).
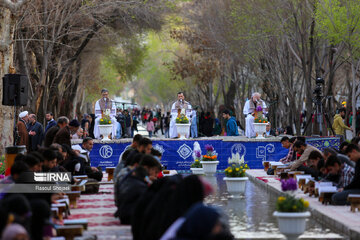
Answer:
(177, 155)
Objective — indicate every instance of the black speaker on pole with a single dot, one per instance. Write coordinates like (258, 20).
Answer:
(15, 90)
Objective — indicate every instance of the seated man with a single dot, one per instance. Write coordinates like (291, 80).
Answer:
(288, 144)
(91, 172)
(269, 131)
(131, 165)
(134, 185)
(353, 152)
(340, 174)
(101, 106)
(303, 149)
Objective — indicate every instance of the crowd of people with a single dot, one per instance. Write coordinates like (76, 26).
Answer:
(162, 208)
(156, 207)
(28, 215)
(341, 167)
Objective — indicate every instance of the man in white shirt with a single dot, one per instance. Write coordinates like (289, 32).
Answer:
(179, 104)
(102, 105)
(249, 111)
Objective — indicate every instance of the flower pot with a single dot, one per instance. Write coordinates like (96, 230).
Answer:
(183, 129)
(105, 131)
(260, 129)
(197, 171)
(292, 224)
(209, 167)
(235, 185)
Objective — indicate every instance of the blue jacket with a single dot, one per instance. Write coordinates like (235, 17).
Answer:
(231, 127)
(50, 125)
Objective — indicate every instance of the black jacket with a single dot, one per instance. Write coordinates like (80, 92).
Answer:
(37, 139)
(50, 135)
(130, 189)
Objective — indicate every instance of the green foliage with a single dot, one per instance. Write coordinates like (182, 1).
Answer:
(154, 77)
(182, 119)
(127, 58)
(236, 170)
(291, 204)
(105, 120)
(196, 164)
(339, 21)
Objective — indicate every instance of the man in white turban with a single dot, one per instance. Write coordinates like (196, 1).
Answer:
(22, 132)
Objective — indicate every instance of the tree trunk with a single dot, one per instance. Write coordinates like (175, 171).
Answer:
(7, 27)
(354, 69)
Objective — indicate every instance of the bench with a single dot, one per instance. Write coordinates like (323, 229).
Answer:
(354, 200)
(280, 169)
(110, 172)
(302, 180)
(69, 231)
(325, 197)
(54, 212)
(79, 186)
(319, 185)
(293, 174)
(61, 209)
(82, 222)
(73, 196)
(309, 188)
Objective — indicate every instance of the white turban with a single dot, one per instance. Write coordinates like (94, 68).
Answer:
(23, 114)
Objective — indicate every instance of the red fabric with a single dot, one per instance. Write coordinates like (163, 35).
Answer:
(160, 175)
(263, 179)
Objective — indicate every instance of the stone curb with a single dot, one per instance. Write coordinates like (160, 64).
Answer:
(351, 232)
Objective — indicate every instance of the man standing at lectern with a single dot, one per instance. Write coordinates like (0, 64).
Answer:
(101, 105)
(179, 104)
(249, 111)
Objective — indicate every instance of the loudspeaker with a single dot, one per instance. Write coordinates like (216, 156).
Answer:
(15, 90)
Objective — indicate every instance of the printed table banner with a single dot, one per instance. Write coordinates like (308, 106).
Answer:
(178, 155)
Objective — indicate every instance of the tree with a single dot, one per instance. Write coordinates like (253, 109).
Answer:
(339, 22)
(9, 13)
(53, 36)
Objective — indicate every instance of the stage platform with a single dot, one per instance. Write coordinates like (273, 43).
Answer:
(177, 154)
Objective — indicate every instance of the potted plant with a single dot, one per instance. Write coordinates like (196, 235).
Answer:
(209, 160)
(260, 123)
(235, 174)
(105, 125)
(196, 167)
(291, 212)
(182, 124)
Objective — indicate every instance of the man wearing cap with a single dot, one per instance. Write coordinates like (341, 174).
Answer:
(101, 106)
(63, 136)
(23, 134)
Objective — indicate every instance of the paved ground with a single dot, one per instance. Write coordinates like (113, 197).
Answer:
(336, 217)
